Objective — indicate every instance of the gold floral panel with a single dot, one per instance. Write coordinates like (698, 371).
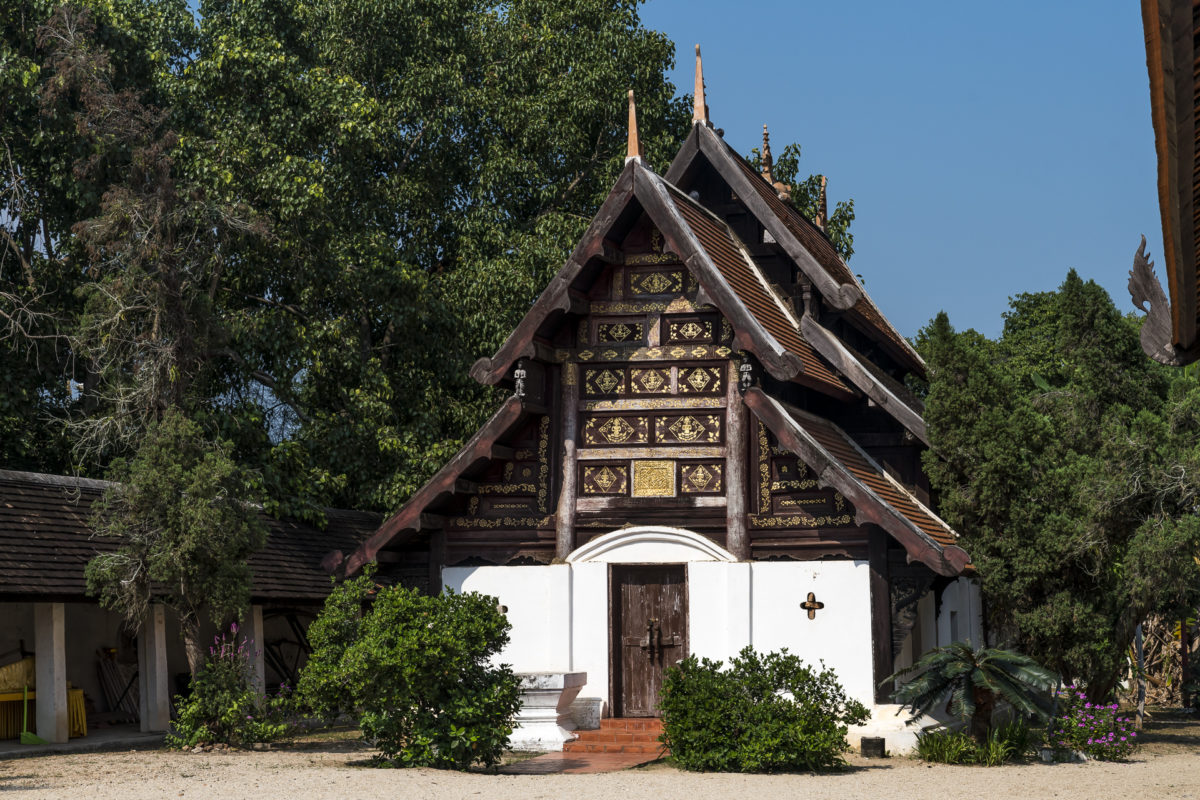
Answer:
(643, 282)
(688, 330)
(688, 429)
(653, 478)
(702, 380)
(620, 332)
(603, 381)
(606, 431)
(650, 381)
(701, 478)
(604, 479)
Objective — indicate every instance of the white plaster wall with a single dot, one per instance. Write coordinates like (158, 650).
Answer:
(840, 633)
(539, 608)
(719, 608)
(589, 641)
(961, 617)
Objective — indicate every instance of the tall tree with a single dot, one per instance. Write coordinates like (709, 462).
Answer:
(182, 532)
(1049, 451)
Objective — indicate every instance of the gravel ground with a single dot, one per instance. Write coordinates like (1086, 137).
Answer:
(1167, 767)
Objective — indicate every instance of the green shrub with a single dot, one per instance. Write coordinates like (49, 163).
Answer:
(946, 747)
(415, 672)
(765, 713)
(1005, 743)
(224, 707)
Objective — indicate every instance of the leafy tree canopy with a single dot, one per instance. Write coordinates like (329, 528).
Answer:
(1064, 457)
(182, 532)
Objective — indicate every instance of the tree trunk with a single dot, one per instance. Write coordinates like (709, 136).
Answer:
(981, 720)
(1139, 647)
(189, 627)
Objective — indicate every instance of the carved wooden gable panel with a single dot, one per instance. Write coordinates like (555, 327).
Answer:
(653, 384)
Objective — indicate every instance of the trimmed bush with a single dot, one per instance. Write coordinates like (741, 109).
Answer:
(415, 672)
(224, 707)
(764, 713)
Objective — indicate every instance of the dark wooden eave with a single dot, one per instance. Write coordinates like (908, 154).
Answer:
(412, 517)
(1170, 333)
(828, 273)
(861, 374)
(877, 498)
(758, 331)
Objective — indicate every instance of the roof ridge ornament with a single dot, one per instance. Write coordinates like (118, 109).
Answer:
(767, 161)
(700, 109)
(823, 205)
(633, 150)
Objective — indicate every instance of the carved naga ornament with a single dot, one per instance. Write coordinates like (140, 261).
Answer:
(1157, 334)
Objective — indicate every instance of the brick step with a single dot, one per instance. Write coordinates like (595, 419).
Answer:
(601, 747)
(631, 723)
(613, 736)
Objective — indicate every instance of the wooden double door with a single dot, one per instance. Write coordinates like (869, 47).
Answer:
(649, 631)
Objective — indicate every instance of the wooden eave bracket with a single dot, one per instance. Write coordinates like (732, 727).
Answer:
(483, 446)
(829, 346)
(870, 507)
(1157, 335)
(839, 295)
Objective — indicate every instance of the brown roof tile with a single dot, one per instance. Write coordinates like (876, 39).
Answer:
(751, 287)
(46, 542)
(815, 241)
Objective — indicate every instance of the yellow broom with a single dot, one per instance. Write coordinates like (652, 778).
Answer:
(26, 736)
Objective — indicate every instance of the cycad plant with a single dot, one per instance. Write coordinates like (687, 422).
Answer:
(974, 680)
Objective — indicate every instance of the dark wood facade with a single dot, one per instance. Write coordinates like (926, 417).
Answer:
(704, 360)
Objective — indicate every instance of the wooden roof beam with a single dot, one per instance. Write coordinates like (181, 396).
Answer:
(412, 516)
(839, 295)
(869, 506)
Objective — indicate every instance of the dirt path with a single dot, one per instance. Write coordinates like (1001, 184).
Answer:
(1168, 767)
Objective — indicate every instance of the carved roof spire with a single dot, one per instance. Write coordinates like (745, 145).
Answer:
(700, 111)
(823, 206)
(767, 163)
(634, 148)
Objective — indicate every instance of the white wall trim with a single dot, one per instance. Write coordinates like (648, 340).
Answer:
(650, 544)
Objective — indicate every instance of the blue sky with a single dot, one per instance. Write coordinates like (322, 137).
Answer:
(989, 147)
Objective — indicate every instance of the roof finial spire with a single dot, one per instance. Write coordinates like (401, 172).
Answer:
(700, 112)
(634, 149)
(822, 206)
(767, 163)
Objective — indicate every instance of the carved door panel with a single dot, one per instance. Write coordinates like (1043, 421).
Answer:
(649, 609)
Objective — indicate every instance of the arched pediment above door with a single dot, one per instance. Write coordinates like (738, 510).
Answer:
(650, 544)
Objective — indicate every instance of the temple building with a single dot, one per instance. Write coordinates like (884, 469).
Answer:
(708, 445)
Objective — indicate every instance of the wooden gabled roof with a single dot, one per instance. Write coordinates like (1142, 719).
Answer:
(879, 499)
(803, 242)
(46, 542)
(411, 518)
(1171, 332)
(727, 276)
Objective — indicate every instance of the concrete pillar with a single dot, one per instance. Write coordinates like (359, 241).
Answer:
(252, 629)
(153, 678)
(50, 649)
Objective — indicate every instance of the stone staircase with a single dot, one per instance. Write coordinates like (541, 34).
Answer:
(629, 735)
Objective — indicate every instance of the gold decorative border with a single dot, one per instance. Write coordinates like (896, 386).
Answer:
(800, 521)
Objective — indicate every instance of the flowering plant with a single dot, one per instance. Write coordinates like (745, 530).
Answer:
(1094, 729)
(224, 705)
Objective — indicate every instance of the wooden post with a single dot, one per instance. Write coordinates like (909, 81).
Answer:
(437, 558)
(737, 540)
(568, 386)
(881, 612)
